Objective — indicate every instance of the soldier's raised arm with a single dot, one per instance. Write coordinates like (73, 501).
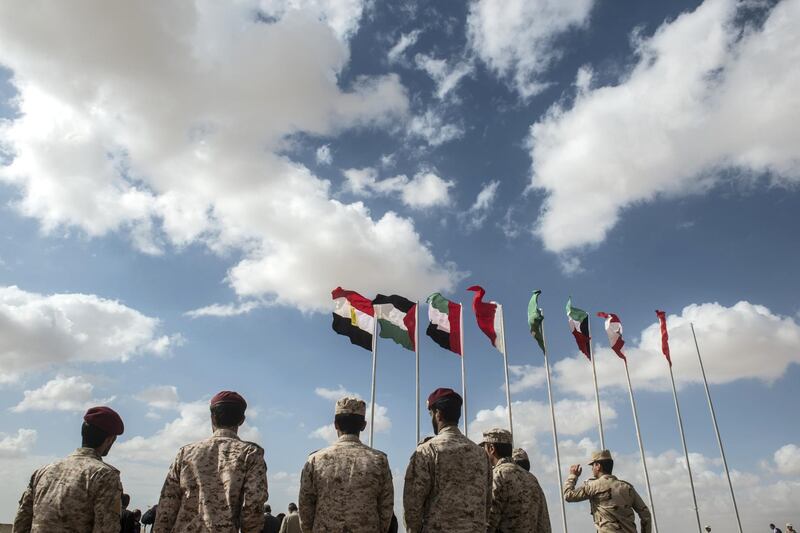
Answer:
(24, 519)
(107, 502)
(643, 511)
(386, 497)
(572, 494)
(416, 490)
(307, 500)
(255, 492)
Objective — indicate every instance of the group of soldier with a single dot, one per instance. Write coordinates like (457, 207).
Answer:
(219, 484)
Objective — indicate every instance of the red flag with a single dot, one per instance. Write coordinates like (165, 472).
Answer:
(614, 331)
(662, 318)
(487, 316)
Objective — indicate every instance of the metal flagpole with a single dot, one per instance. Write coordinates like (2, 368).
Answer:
(596, 390)
(716, 430)
(374, 368)
(555, 435)
(416, 356)
(685, 449)
(463, 374)
(505, 366)
(641, 449)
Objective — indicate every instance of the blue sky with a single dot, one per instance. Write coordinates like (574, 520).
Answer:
(183, 186)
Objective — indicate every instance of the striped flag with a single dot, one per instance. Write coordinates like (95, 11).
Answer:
(490, 320)
(353, 317)
(579, 324)
(536, 319)
(445, 326)
(396, 318)
(662, 319)
(614, 332)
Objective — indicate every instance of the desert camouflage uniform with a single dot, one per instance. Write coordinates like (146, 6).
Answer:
(79, 494)
(216, 485)
(518, 504)
(612, 503)
(447, 486)
(346, 487)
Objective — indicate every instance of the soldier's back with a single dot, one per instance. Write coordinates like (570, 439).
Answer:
(612, 504)
(521, 507)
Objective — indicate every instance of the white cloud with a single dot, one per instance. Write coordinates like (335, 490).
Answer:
(342, 16)
(405, 41)
(19, 445)
(37, 331)
(672, 126)
(62, 393)
(476, 215)
(323, 155)
(787, 459)
(426, 189)
(160, 397)
(225, 310)
(444, 76)
(525, 377)
(431, 127)
(328, 432)
(517, 39)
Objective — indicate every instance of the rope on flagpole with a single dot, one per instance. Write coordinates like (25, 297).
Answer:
(555, 435)
(596, 390)
(505, 366)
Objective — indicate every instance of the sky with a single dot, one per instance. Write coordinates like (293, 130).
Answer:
(183, 184)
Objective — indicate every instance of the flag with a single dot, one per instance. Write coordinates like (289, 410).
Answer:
(579, 324)
(614, 332)
(662, 318)
(353, 317)
(396, 317)
(490, 320)
(445, 326)
(536, 318)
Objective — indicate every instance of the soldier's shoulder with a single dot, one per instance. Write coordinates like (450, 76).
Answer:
(252, 447)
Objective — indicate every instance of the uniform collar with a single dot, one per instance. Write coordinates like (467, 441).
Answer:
(227, 433)
(449, 430)
(349, 438)
(87, 452)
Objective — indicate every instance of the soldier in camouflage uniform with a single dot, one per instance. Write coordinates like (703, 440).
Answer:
(448, 480)
(612, 500)
(518, 504)
(81, 493)
(216, 485)
(347, 487)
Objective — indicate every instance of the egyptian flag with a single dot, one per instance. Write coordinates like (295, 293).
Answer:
(396, 317)
(579, 324)
(662, 319)
(536, 319)
(445, 326)
(353, 317)
(614, 332)
(489, 316)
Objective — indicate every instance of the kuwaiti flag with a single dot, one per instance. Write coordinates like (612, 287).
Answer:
(397, 318)
(614, 332)
(445, 326)
(353, 317)
(489, 316)
(662, 319)
(579, 324)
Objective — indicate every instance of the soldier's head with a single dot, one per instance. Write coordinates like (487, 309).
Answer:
(498, 444)
(708, 528)
(126, 500)
(101, 427)
(292, 507)
(444, 406)
(602, 463)
(520, 457)
(772, 526)
(227, 410)
(267, 508)
(349, 416)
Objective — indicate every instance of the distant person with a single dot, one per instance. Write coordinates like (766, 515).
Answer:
(774, 529)
(272, 524)
(790, 528)
(291, 522)
(149, 517)
(280, 517)
(126, 520)
(708, 529)
(80, 492)
(348, 485)
(137, 524)
(218, 484)
(613, 501)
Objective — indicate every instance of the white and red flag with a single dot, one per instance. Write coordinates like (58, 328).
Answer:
(614, 332)
(490, 320)
(662, 319)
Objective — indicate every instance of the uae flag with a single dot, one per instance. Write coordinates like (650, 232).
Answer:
(353, 317)
(536, 319)
(662, 319)
(489, 316)
(396, 317)
(614, 332)
(445, 326)
(579, 324)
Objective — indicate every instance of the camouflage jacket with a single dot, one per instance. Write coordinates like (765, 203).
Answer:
(346, 488)
(518, 503)
(79, 494)
(216, 485)
(612, 503)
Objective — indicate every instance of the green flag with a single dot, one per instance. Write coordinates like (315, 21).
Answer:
(535, 319)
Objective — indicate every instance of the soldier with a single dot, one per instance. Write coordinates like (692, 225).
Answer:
(520, 457)
(218, 484)
(347, 486)
(81, 492)
(448, 480)
(612, 500)
(518, 503)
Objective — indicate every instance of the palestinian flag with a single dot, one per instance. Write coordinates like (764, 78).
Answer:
(445, 326)
(614, 332)
(579, 324)
(489, 317)
(396, 317)
(536, 319)
(662, 319)
(353, 316)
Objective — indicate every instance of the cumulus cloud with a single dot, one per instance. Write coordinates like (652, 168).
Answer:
(672, 125)
(518, 39)
(328, 432)
(73, 393)
(446, 77)
(432, 128)
(323, 155)
(787, 459)
(38, 331)
(160, 397)
(426, 189)
(224, 310)
(172, 129)
(19, 445)
(476, 215)
(406, 41)
(343, 16)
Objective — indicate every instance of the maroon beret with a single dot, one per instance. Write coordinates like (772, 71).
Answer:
(106, 419)
(228, 396)
(442, 394)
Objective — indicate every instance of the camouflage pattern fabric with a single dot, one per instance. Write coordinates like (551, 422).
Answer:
(447, 485)
(346, 487)
(612, 501)
(215, 485)
(518, 503)
(79, 494)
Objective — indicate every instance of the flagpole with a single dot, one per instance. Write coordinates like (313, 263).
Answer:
(596, 390)
(555, 434)
(685, 449)
(374, 368)
(505, 366)
(463, 374)
(716, 430)
(641, 448)
(416, 356)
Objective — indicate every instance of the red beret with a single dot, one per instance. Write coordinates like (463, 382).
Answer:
(228, 396)
(106, 419)
(442, 394)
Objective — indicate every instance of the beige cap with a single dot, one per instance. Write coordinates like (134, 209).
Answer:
(351, 406)
(519, 455)
(602, 455)
(497, 436)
